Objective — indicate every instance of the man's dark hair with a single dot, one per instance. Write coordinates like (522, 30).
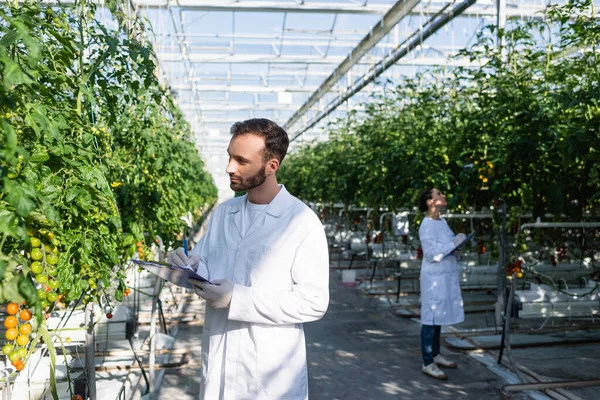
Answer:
(276, 138)
(425, 195)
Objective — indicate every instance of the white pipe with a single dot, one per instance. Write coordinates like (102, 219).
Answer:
(539, 224)
(472, 216)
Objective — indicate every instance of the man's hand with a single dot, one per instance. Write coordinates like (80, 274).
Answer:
(179, 259)
(217, 295)
(459, 238)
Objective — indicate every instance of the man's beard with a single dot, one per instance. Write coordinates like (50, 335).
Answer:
(249, 183)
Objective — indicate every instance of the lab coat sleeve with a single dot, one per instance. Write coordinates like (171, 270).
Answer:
(201, 249)
(308, 299)
(434, 250)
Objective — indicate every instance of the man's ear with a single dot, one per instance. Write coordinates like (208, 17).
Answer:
(272, 166)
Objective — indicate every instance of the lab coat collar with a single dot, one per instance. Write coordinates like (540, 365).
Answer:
(276, 207)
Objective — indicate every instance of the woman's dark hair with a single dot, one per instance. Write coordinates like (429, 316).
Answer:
(276, 138)
(425, 195)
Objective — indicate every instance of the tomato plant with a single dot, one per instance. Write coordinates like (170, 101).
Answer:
(523, 125)
(94, 158)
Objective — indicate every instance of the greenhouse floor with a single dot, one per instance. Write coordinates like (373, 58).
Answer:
(360, 350)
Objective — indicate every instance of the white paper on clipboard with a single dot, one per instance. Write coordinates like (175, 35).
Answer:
(469, 237)
(172, 273)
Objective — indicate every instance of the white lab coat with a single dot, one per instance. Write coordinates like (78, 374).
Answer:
(255, 349)
(441, 300)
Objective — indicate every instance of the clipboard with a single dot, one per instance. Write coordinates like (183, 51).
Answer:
(172, 273)
(469, 237)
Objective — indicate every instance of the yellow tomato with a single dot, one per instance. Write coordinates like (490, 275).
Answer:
(11, 322)
(11, 334)
(25, 329)
(22, 340)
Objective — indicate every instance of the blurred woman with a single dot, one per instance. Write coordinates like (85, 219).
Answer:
(441, 300)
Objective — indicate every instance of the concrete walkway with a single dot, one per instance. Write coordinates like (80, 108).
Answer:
(359, 350)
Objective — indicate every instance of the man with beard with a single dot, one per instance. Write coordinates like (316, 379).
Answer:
(266, 256)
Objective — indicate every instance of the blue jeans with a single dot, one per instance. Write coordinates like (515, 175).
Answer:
(430, 342)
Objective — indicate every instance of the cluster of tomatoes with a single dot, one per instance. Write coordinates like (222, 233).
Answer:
(516, 268)
(17, 334)
(486, 170)
(44, 255)
(140, 250)
(419, 253)
(404, 239)
(481, 247)
(560, 253)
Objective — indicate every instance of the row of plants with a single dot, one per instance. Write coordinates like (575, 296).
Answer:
(522, 123)
(95, 161)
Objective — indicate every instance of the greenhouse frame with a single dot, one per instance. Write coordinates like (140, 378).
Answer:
(116, 156)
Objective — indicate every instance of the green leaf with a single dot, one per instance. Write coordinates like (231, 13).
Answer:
(13, 74)
(8, 223)
(3, 265)
(10, 138)
(72, 194)
(40, 155)
(20, 198)
(11, 289)
(9, 38)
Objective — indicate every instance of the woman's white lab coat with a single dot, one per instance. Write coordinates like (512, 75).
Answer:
(255, 349)
(441, 300)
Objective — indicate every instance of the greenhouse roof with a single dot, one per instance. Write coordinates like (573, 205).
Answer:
(303, 63)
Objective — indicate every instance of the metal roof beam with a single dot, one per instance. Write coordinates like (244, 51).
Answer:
(226, 107)
(221, 58)
(482, 9)
(243, 88)
(247, 6)
(427, 30)
(285, 42)
(221, 121)
(383, 27)
(273, 74)
(268, 6)
(272, 59)
(268, 41)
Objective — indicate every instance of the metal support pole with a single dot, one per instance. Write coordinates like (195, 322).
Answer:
(152, 357)
(500, 18)
(368, 236)
(156, 293)
(90, 352)
(507, 314)
(399, 283)
(339, 229)
(501, 280)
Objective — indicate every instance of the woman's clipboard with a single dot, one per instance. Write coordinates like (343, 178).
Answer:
(469, 237)
(179, 276)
